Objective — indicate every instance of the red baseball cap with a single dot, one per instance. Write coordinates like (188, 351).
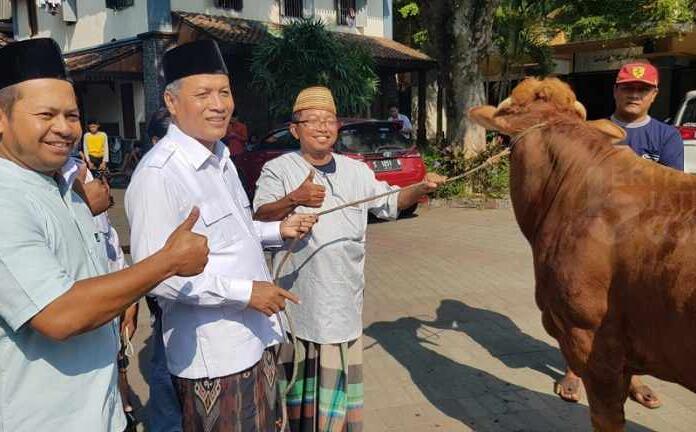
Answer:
(638, 72)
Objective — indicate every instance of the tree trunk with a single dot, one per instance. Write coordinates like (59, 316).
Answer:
(472, 38)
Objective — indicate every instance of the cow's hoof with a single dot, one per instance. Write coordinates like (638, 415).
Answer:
(645, 396)
(568, 388)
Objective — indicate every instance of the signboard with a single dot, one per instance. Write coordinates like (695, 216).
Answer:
(605, 60)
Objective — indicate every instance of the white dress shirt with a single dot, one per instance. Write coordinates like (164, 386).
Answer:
(208, 329)
(114, 252)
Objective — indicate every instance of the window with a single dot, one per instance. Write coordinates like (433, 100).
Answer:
(689, 113)
(345, 12)
(230, 4)
(119, 4)
(280, 140)
(292, 8)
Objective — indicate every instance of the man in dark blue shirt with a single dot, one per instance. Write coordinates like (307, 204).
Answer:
(634, 92)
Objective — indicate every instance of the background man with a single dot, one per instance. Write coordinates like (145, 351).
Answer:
(57, 302)
(95, 147)
(236, 136)
(395, 116)
(326, 268)
(634, 93)
(220, 328)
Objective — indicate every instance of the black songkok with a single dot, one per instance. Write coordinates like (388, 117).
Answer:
(194, 58)
(31, 59)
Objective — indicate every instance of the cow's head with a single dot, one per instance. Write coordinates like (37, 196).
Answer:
(536, 101)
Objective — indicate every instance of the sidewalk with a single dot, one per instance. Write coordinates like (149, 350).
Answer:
(454, 341)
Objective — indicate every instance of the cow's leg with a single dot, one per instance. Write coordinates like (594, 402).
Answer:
(607, 396)
(598, 359)
(604, 375)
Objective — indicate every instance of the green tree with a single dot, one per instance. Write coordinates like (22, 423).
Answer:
(521, 36)
(458, 34)
(605, 19)
(306, 54)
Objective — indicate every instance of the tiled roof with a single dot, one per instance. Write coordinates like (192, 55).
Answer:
(386, 52)
(101, 56)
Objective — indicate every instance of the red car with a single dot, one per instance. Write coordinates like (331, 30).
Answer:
(380, 144)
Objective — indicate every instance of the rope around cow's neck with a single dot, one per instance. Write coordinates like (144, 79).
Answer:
(295, 361)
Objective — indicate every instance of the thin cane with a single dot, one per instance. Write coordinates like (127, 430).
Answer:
(295, 361)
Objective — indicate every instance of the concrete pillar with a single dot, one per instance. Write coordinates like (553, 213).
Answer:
(422, 111)
(154, 46)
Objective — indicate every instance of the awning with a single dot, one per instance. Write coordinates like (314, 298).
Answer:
(121, 57)
(386, 52)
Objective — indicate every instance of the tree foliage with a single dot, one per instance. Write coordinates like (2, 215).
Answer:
(306, 54)
(605, 19)
(522, 31)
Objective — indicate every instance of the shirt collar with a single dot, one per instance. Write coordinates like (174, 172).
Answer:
(631, 125)
(30, 176)
(195, 152)
(70, 170)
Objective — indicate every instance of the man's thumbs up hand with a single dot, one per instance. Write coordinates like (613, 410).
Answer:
(187, 250)
(308, 194)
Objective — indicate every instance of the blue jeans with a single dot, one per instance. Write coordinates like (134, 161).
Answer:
(163, 409)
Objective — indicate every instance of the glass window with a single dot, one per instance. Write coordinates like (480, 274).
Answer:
(280, 140)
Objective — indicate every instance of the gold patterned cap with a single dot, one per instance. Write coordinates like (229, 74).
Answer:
(317, 97)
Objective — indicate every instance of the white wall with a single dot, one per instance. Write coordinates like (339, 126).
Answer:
(269, 11)
(95, 24)
(326, 10)
(257, 10)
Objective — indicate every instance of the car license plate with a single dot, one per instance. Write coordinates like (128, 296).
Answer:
(382, 165)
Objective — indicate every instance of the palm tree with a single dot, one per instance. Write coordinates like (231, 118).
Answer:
(306, 54)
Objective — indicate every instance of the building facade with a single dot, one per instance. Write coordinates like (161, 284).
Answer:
(114, 47)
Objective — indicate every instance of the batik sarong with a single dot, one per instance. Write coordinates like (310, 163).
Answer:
(242, 402)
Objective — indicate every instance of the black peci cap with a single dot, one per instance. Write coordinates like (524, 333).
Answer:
(31, 59)
(194, 58)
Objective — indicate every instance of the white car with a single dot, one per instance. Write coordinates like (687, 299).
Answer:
(685, 121)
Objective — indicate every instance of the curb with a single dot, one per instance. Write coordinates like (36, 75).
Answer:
(482, 203)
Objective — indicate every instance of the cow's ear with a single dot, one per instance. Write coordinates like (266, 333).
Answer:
(485, 116)
(615, 133)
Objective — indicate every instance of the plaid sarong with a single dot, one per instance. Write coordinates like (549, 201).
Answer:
(242, 402)
(328, 393)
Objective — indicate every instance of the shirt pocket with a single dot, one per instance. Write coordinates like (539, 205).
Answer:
(218, 218)
(353, 223)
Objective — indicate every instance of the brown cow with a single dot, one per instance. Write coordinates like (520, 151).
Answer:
(613, 242)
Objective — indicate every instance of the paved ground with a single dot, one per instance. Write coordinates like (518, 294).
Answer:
(453, 338)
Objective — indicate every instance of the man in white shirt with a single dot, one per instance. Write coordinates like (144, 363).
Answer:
(220, 327)
(326, 268)
(396, 117)
(58, 337)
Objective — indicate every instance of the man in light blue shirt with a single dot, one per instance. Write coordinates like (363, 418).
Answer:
(58, 338)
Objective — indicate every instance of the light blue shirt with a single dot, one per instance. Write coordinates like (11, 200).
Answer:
(49, 242)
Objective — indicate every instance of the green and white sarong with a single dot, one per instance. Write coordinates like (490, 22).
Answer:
(328, 393)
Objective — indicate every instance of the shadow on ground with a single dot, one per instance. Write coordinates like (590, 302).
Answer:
(477, 398)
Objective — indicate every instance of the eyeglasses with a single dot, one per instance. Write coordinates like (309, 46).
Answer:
(316, 123)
